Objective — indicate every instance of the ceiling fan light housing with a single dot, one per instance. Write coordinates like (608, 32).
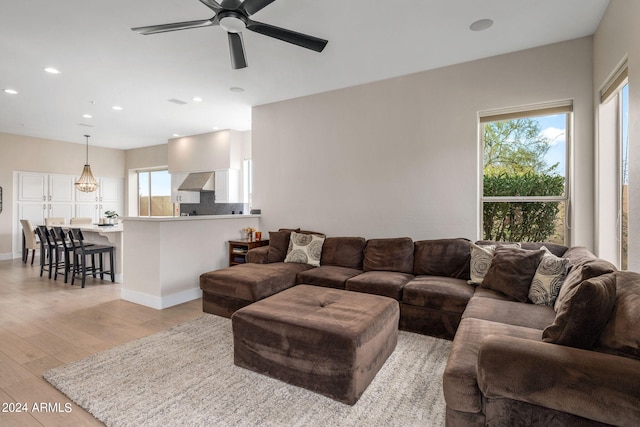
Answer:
(233, 22)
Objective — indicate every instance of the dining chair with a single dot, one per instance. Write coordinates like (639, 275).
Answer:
(81, 220)
(30, 241)
(80, 253)
(51, 221)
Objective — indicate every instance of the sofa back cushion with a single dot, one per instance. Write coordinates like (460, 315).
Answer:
(584, 266)
(343, 252)
(395, 254)
(442, 257)
(621, 334)
(554, 248)
(583, 314)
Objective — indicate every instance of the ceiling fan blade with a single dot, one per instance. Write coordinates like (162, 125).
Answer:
(236, 48)
(253, 6)
(163, 28)
(299, 39)
(213, 5)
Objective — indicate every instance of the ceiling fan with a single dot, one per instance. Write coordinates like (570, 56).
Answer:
(233, 17)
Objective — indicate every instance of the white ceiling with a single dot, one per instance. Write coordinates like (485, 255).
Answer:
(104, 63)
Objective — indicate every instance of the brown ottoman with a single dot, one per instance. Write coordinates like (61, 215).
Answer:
(327, 340)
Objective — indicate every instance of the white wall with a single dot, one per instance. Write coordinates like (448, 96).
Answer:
(617, 38)
(23, 153)
(400, 157)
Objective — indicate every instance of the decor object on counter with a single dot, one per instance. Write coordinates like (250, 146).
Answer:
(111, 216)
(249, 232)
(87, 183)
(258, 233)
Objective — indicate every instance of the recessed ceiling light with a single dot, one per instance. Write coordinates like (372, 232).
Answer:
(236, 89)
(176, 135)
(11, 91)
(197, 99)
(117, 108)
(52, 70)
(216, 128)
(481, 25)
(87, 116)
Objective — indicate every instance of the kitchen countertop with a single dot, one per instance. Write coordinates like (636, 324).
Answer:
(187, 218)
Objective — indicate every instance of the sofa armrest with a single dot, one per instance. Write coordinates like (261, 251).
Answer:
(593, 385)
(258, 255)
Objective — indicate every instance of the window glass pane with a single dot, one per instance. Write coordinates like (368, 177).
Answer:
(161, 193)
(625, 176)
(524, 221)
(523, 155)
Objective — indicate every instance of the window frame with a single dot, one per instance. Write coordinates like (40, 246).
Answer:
(547, 109)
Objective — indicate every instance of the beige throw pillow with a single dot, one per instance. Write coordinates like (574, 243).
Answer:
(305, 249)
(548, 279)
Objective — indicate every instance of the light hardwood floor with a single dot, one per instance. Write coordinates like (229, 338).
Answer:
(46, 323)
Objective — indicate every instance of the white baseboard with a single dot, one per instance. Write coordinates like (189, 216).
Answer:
(6, 257)
(160, 302)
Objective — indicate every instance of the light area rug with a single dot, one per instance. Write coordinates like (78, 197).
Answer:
(185, 376)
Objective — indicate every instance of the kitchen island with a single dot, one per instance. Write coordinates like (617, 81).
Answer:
(165, 256)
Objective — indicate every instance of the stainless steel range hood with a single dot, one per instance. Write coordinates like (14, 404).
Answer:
(201, 181)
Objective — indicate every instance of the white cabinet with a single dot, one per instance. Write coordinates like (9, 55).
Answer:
(44, 195)
(227, 185)
(182, 196)
(39, 187)
(40, 196)
(108, 197)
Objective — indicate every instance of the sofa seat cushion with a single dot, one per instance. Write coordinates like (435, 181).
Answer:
(510, 312)
(488, 293)
(460, 381)
(251, 282)
(329, 276)
(438, 293)
(385, 283)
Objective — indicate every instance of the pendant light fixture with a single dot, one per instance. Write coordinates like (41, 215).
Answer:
(87, 183)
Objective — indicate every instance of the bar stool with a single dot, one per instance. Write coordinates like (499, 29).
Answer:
(47, 250)
(80, 253)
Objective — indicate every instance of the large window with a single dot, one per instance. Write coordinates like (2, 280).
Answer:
(525, 191)
(154, 193)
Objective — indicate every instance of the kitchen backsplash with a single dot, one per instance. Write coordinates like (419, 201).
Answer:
(208, 206)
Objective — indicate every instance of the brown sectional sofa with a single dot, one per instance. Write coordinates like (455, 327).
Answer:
(512, 363)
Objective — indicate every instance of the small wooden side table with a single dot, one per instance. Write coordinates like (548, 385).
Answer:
(238, 249)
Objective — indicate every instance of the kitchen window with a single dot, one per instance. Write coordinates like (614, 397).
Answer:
(525, 186)
(154, 193)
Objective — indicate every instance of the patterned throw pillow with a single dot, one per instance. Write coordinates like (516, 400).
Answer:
(548, 279)
(481, 257)
(305, 249)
